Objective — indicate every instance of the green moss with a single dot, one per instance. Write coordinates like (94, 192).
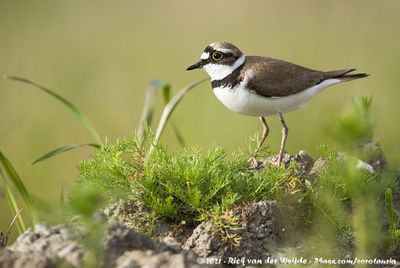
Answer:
(180, 185)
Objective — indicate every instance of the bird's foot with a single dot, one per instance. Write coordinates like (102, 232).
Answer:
(254, 163)
(276, 161)
(279, 162)
(273, 162)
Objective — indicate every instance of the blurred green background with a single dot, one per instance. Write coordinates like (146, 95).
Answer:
(102, 55)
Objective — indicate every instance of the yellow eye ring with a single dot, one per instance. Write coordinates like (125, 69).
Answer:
(217, 56)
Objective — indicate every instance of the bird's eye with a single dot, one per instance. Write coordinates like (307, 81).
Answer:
(217, 56)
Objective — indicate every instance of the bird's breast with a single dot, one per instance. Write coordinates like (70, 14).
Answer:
(240, 100)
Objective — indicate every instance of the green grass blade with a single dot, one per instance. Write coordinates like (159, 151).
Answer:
(85, 121)
(16, 180)
(14, 220)
(10, 173)
(166, 90)
(169, 108)
(148, 109)
(61, 150)
(389, 209)
(12, 203)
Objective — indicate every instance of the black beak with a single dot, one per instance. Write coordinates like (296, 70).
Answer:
(195, 66)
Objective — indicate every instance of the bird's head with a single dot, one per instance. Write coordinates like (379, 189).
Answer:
(219, 59)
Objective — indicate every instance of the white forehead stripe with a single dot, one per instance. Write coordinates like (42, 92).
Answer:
(224, 50)
(218, 47)
(205, 55)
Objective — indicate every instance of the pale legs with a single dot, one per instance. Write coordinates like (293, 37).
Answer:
(285, 132)
(253, 159)
(265, 133)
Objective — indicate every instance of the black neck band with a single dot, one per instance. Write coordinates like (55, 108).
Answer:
(231, 80)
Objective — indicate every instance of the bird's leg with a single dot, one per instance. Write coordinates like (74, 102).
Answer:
(253, 159)
(264, 134)
(285, 131)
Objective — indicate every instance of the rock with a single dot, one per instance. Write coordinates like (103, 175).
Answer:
(121, 239)
(135, 215)
(261, 229)
(172, 243)
(127, 248)
(373, 154)
(316, 167)
(9, 258)
(202, 241)
(46, 246)
(153, 259)
(342, 157)
(3, 240)
(303, 160)
(43, 246)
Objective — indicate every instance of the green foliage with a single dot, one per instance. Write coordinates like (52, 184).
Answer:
(85, 200)
(344, 197)
(12, 204)
(180, 185)
(354, 124)
(11, 174)
(112, 166)
(225, 225)
(393, 218)
(186, 183)
(328, 151)
(5, 236)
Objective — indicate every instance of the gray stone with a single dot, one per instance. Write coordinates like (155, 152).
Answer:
(44, 246)
(303, 160)
(127, 248)
(262, 229)
(373, 154)
(172, 243)
(316, 167)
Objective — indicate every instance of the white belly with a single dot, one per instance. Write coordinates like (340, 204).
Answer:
(243, 101)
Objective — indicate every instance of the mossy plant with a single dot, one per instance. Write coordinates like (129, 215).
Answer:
(181, 185)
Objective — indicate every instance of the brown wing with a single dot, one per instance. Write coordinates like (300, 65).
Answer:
(278, 78)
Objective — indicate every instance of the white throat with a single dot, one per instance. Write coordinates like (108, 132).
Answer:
(220, 71)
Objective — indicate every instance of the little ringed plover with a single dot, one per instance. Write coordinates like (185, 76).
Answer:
(263, 86)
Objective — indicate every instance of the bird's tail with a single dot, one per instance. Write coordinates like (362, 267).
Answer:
(344, 75)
